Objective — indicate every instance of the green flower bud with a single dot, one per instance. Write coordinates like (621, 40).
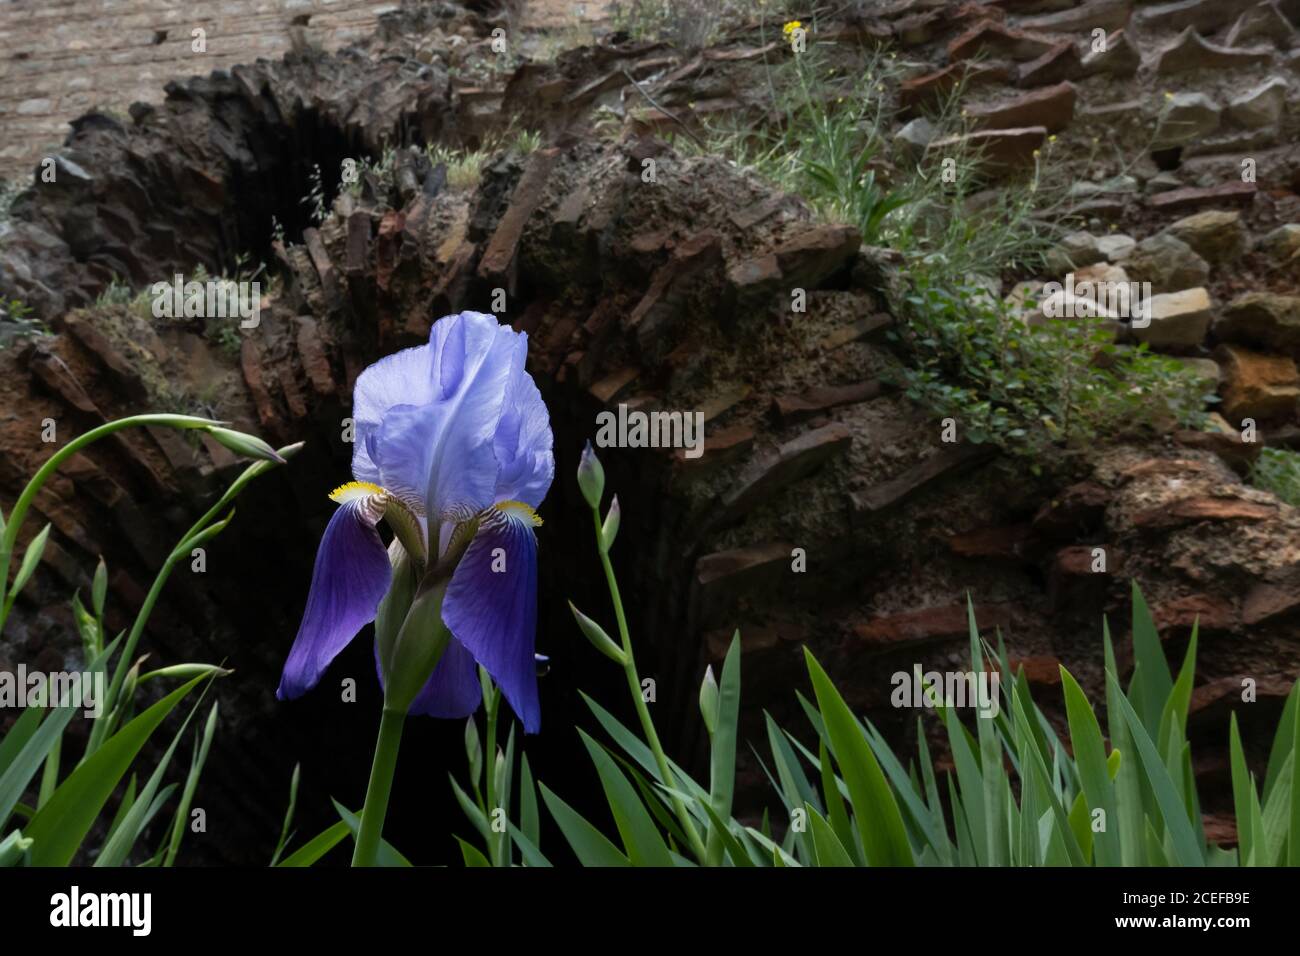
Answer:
(99, 589)
(709, 701)
(250, 446)
(609, 531)
(599, 639)
(473, 750)
(395, 605)
(591, 477)
(415, 653)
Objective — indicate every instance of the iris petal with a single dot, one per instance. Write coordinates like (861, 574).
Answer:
(351, 576)
(522, 444)
(405, 448)
(491, 607)
(453, 689)
(437, 445)
(404, 378)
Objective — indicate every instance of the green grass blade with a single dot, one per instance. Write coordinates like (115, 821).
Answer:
(1062, 848)
(722, 762)
(471, 855)
(839, 815)
(1283, 740)
(388, 854)
(471, 809)
(197, 761)
(28, 760)
(641, 838)
(1090, 757)
(118, 847)
(285, 834)
(1172, 810)
(970, 781)
(591, 846)
(880, 824)
(635, 748)
(1277, 816)
(317, 846)
(60, 826)
(1293, 834)
(529, 820)
(830, 851)
(991, 768)
(17, 738)
(1128, 791)
(532, 856)
(795, 790)
(1149, 654)
(735, 849)
(1173, 717)
(938, 828)
(1155, 848)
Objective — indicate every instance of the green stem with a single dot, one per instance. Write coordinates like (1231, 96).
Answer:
(192, 539)
(14, 524)
(492, 703)
(638, 698)
(381, 785)
(50, 778)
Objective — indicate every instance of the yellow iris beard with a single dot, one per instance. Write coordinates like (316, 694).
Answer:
(520, 509)
(354, 490)
(365, 489)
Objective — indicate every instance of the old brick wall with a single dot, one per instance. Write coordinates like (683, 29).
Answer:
(59, 58)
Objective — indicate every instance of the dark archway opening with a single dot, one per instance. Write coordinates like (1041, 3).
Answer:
(295, 179)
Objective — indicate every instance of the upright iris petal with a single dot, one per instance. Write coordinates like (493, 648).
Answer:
(457, 433)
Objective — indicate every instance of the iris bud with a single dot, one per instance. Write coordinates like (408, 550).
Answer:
(709, 701)
(396, 603)
(420, 642)
(591, 477)
(474, 751)
(609, 531)
(250, 446)
(99, 589)
(599, 639)
(13, 848)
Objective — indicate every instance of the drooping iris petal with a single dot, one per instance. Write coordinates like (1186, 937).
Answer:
(491, 606)
(453, 689)
(522, 445)
(351, 576)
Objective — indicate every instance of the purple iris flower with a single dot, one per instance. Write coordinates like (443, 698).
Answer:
(453, 449)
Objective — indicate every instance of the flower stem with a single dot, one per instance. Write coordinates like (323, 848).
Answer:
(15, 521)
(200, 533)
(381, 784)
(638, 698)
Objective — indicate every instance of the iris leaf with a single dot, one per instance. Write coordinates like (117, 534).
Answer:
(880, 824)
(589, 844)
(61, 825)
